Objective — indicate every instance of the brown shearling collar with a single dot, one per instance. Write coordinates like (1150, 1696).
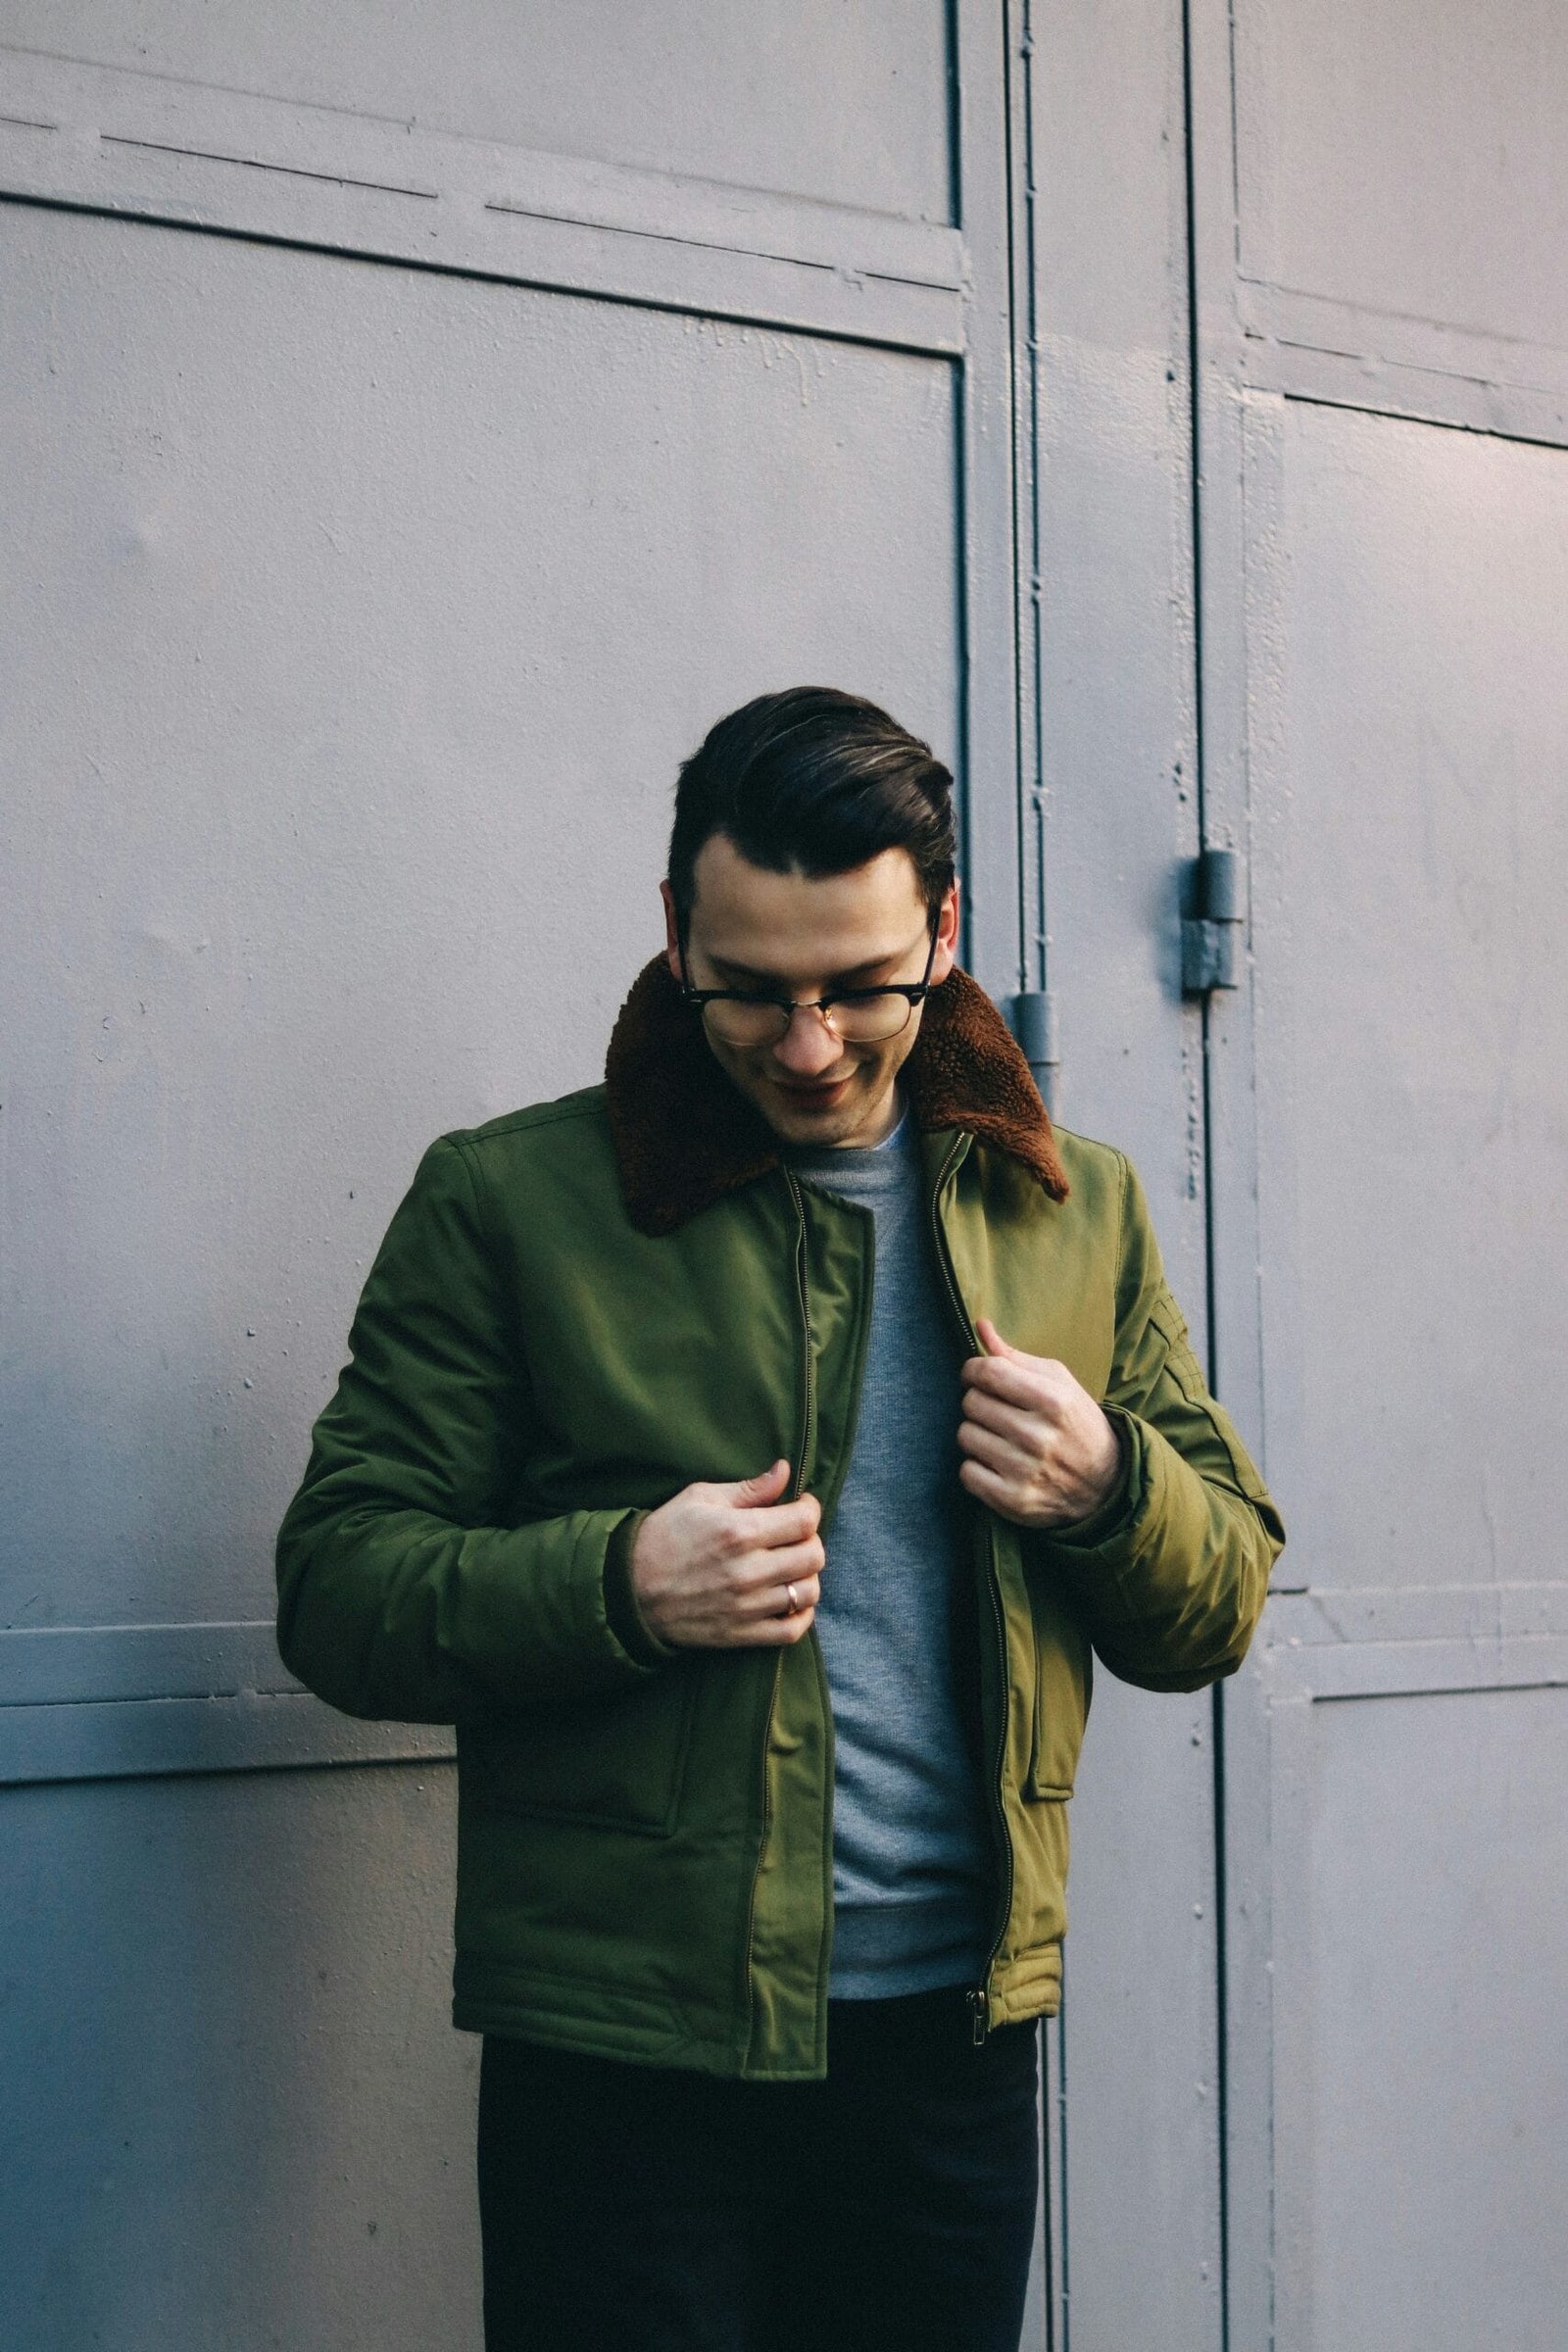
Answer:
(684, 1135)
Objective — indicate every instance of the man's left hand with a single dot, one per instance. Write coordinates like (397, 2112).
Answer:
(1037, 1447)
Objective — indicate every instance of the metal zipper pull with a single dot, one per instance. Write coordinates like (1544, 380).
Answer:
(977, 2011)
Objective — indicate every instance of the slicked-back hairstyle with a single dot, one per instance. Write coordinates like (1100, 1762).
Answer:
(813, 781)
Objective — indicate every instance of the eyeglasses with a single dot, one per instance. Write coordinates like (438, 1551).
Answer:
(857, 1016)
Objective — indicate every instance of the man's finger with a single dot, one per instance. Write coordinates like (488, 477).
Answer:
(766, 1632)
(750, 1493)
(1003, 1376)
(786, 1561)
(1010, 1421)
(990, 1338)
(998, 1453)
(986, 1483)
(769, 1597)
(774, 1523)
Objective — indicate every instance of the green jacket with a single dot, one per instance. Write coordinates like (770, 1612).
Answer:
(582, 1308)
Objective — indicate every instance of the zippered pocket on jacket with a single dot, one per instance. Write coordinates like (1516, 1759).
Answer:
(1063, 1688)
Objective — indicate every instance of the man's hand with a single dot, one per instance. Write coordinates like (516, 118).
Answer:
(712, 1567)
(1037, 1447)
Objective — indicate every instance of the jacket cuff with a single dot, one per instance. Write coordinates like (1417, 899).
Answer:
(1114, 1518)
(1098, 1557)
(625, 1618)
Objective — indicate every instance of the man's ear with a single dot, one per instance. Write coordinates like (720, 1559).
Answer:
(946, 954)
(671, 929)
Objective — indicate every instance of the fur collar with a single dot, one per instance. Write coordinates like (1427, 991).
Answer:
(683, 1136)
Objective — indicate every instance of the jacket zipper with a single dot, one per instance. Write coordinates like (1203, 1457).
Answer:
(807, 1369)
(979, 1997)
(797, 1488)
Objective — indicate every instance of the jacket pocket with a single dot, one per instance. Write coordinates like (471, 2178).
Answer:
(616, 1762)
(1063, 1688)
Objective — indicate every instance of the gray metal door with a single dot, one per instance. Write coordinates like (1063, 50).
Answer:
(1384, 537)
(416, 432)
(1112, 824)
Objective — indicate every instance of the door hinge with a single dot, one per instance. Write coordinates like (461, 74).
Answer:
(1211, 935)
(1032, 1018)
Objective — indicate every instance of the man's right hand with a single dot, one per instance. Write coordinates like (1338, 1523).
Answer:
(712, 1567)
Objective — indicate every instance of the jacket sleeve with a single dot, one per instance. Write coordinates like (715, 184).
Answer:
(1169, 1575)
(402, 1593)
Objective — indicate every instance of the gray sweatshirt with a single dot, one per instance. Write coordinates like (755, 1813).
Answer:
(911, 1875)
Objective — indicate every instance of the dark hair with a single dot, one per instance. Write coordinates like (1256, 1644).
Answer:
(814, 781)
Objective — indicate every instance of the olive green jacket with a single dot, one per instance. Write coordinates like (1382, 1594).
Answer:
(582, 1308)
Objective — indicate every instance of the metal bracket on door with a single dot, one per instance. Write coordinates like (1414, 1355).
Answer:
(1032, 1018)
(1211, 937)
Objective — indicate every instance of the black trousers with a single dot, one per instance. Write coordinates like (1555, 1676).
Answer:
(659, 2210)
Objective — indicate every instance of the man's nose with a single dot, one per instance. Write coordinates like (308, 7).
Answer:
(808, 1046)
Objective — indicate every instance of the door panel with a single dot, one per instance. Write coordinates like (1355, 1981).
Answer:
(1383, 421)
(246, 2120)
(1440, 1933)
(350, 711)
(847, 106)
(1408, 159)
(1412, 1006)
(413, 446)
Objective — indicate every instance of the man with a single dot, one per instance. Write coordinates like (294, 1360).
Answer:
(746, 1455)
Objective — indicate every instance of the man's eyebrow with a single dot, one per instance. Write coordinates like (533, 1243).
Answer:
(746, 972)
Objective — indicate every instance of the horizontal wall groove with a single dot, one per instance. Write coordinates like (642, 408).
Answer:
(160, 152)
(1405, 1613)
(112, 1702)
(252, 1731)
(1406, 1641)
(1386, 362)
(257, 162)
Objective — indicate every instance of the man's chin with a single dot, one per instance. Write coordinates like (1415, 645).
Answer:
(825, 1116)
(811, 1101)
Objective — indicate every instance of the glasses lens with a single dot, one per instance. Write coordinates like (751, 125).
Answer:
(858, 1021)
(861, 1021)
(740, 1025)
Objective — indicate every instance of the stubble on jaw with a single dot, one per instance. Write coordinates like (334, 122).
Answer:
(861, 1119)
